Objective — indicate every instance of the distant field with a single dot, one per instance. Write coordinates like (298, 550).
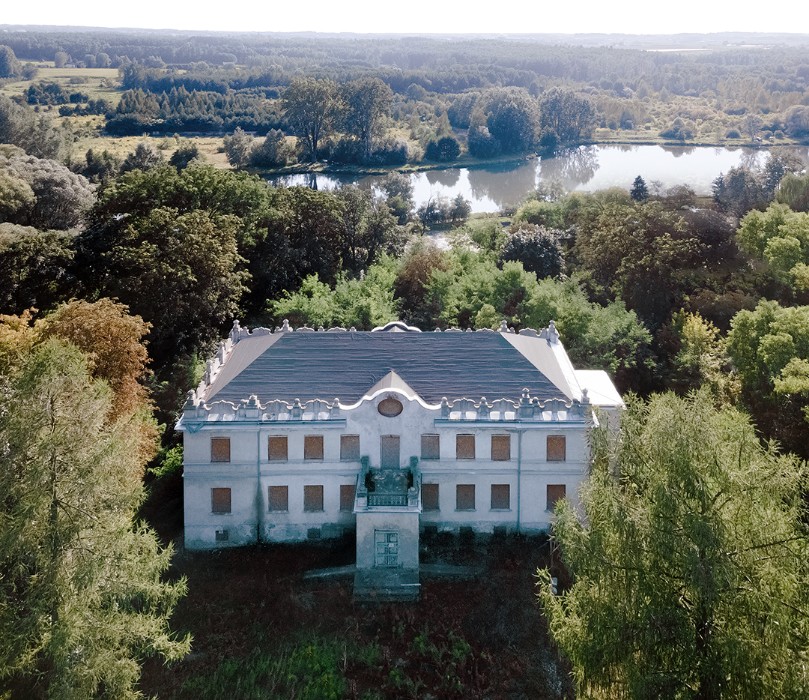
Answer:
(96, 82)
(209, 146)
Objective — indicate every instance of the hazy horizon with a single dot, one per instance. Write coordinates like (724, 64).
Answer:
(418, 17)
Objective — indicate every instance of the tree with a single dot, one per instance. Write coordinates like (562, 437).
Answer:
(367, 101)
(82, 595)
(639, 191)
(689, 567)
(182, 273)
(444, 149)
(309, 110)
(21, 127)
(794, 192)
(9, 65)
(113, 343)
(186, 153)
(36, 268)
(537, 248)
(641, 252)
(145, 157)
(564, 117)
(238, 147)
(273, 152)
(511, 117)
(61, 197)
(769, 347)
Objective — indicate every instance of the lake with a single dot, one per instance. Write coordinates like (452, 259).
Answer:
(587, 168)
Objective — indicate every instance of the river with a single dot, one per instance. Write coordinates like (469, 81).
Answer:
(587, 168)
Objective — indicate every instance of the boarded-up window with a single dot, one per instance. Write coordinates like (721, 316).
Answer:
(464, 446)
(501, 448)
(220, 449)
(279, 498)
(312, 498)
(220, 500)
(556, 492)
(501, 496)
(278, 448)
(465, 497)
(430, 447)
(350, 447)
(313, 447)
(429, 497)
(556, 448)
(347, 497)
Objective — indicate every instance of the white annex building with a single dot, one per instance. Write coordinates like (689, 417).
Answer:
(296, 435)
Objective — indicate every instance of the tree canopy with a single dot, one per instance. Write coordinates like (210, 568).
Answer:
(82, 596)
(690, 575)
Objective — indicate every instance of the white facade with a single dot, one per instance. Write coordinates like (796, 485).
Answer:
(276, 470)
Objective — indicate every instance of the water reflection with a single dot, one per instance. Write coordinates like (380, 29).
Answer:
(447, 178)
(573, 168)
(590, 168)
(502, 186)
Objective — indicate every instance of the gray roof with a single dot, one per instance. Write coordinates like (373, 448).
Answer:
(346, 365)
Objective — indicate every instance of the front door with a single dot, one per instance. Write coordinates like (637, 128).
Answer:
(390, 452)
(386, 548)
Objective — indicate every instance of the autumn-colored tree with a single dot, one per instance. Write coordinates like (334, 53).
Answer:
(112, 339)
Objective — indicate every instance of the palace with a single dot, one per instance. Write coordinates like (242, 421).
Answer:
(304, 434)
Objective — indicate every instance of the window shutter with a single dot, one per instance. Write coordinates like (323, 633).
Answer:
(501, 496)
(279, 498)
(313, 447)
(430, 447)
(556, 448)
(556, 492)
(429, 497)
(220, 500)
(350, 447)
(313, 498)
(464, 446)
(501, 448)
(347, 497)
(278, 448)
(465, 497)
(220, 449)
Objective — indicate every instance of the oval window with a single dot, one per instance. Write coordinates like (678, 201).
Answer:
(390, 407)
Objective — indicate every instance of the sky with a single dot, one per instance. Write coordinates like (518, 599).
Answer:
(415, 16)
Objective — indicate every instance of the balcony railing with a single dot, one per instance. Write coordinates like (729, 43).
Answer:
(388, 488)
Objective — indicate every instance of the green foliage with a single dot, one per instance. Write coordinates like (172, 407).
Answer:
(781, 237)
(600, 337)
(689, 567)
(360, 303)
(639, 191)
(309, 109)
(10, 67)
(82, 600)
(511, 118)
(794, 192)
(537, 248)
(701, 360)
(443, 149)
(565, 118)
(61, 198)
(366, 102)
(273, 152)
(35, 268)
(181, 272)
(311, 670)
(238, 147)
(639, 252)
(34, 134)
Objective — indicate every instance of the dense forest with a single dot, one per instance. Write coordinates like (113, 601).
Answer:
(119, 272)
